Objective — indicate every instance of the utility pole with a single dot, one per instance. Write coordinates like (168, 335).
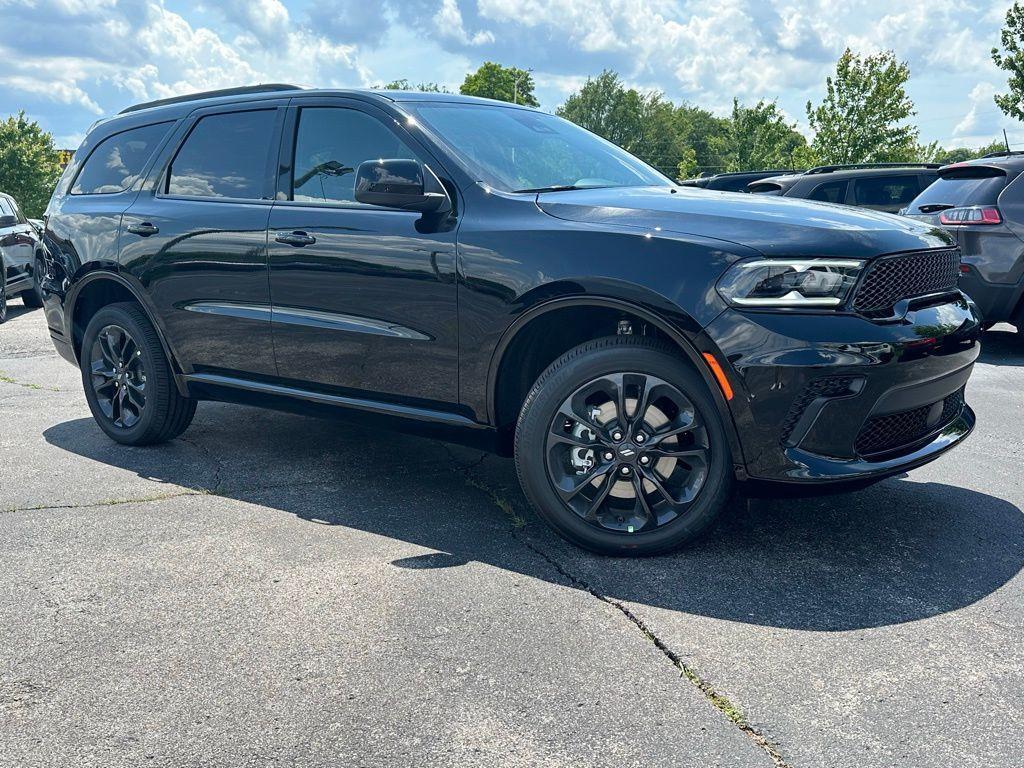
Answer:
(515, 85)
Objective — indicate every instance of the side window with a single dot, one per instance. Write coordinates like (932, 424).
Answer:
(830, 192)
(887, 191)
(224, 156)
(330, 143)
(117, 161)
(7, 217)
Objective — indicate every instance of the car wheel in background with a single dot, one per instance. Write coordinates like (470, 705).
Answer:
(128, 381)
(33, 297)
(621, 449)
(3, 294)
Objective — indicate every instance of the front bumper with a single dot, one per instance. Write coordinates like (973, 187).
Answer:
(838, 398)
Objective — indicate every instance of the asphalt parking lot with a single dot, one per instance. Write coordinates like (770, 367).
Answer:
(273, 590)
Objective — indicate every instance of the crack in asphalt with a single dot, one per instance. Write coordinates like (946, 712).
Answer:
(718, 700)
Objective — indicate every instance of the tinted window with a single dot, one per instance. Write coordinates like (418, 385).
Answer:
(518, 149)
(329, 146)
(886, 191)
(979, 185)
(117, 162)
(832, 192)
(7, 217)
(225, 156)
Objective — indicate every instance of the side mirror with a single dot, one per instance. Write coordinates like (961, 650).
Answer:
(405, 184)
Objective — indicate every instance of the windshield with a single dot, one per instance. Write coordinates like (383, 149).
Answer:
(518, 150)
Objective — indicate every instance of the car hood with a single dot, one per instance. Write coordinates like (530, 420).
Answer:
(775, 226)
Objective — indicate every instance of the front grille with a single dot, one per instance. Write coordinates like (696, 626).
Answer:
(896, 430)
(826, 386)
(891, 279)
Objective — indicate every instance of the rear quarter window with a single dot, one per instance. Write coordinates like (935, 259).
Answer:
(118, 161)
(886, 191)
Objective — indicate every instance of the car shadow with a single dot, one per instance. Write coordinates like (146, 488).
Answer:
(1002, 346)
(898, 552)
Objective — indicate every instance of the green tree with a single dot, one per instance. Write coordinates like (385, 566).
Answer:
(29, 163)
(760, 138)
(1012, 60)
(493, 81)
(405, 85)
(961, 154)
(861, 117)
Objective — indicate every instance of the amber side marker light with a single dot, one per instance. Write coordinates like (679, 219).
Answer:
(716, 369)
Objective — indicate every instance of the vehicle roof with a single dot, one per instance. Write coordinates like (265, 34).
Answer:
(1013, 161)
(187, 103)
(846, 173)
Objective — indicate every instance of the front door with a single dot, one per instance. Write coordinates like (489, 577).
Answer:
(197, 241)
(364, 297)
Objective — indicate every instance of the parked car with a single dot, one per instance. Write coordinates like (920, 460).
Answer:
(981, 202)
(881, 187)
(492, 274)
(21, 252)
(731, 182)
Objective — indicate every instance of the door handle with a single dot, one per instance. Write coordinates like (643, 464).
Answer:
(145, 229)
(298, 239)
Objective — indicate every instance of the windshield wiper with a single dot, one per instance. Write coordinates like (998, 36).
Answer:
(935, 207)
(555, 188)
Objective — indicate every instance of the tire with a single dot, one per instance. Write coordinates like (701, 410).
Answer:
(145, 377)
(680, 418)
(33, 297)
(3, 294)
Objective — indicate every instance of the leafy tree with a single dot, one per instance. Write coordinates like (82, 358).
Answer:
(405, 85)
(705, 133)
(860, 119)
(960, 154)
(29, 163)
(493, 81)
(759, 138)
(1012, 60)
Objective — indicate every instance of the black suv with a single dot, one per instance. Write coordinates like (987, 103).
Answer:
(491, 274)
(887, 187)
(734, 181)
(981, 202)
(21, 257)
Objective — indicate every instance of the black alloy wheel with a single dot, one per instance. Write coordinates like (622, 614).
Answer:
(128, 378)
(118, 376)
(628, 452)
(621, 448)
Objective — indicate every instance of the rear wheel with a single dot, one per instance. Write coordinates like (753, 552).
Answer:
(33, 297)
(621, 449)
(128, 381)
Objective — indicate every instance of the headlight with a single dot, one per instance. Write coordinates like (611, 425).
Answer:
(801, 283)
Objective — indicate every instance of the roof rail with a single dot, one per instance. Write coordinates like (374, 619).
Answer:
(1003, 153)
(241, 91)
(856, 166)
(773, 171)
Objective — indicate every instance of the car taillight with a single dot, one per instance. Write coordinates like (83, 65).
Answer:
(974, 214)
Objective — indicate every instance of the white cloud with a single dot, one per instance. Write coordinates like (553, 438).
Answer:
(73, 59)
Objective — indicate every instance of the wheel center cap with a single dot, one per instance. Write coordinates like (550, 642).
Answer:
(628, 452)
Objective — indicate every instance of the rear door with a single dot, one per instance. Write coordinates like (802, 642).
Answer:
(364, 297)
(196, 238)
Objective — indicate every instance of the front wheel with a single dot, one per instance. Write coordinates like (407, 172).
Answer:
(621, 449)
(128, 381)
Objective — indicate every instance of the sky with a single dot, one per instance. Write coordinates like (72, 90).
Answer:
(67, 63)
